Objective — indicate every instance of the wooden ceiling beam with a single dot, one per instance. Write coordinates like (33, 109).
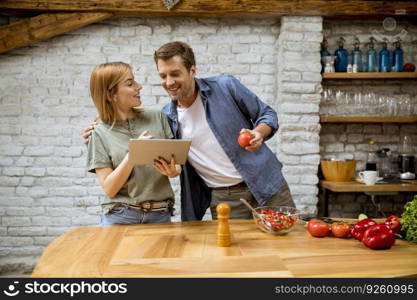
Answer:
(44, 26)
(221, 8)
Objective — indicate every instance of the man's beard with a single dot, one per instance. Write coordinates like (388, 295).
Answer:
(180, 96)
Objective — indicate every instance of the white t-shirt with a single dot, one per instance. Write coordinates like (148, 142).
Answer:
(205, 155)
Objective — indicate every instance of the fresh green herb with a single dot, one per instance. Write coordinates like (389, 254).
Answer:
(409, 220)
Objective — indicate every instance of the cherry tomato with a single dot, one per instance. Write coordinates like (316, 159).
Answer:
(394, 223)
(340, 229)
(244, 139)
(317, 228)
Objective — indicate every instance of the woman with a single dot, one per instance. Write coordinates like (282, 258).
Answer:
(135, 194)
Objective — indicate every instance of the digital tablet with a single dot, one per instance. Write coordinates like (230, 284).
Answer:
(145, 151)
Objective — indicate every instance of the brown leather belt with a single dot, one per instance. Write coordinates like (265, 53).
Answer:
(149, 206)
(238, 185)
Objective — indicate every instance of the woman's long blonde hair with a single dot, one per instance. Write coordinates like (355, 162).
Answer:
(103, 86)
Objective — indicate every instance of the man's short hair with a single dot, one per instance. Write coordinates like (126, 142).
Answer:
(172, 49)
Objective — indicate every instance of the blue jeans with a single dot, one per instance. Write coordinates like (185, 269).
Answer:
(127, 215)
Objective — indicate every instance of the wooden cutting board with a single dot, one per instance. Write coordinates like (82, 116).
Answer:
(188, 249)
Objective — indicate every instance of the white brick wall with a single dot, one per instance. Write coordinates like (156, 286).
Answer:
(298, 99)
(45, 104)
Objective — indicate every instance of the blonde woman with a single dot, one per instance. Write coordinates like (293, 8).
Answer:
(134, 194)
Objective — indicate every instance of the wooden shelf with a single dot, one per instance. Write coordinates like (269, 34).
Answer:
(370, 75)
(353, 186)
(367, 119)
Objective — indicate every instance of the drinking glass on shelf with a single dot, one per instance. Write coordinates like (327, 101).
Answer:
(359, 103)
(382, 105)
(400, 109)
(405, 105)
(345, 104)
(339, 102)
(350, 104)
(338, 96)
(328, 95)
(327, 100)
(370, 100)
(392, 106)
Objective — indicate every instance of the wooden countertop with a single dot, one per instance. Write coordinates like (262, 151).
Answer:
(188, 249)
(353, 186)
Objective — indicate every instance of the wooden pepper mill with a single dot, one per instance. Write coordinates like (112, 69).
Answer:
(223, 231)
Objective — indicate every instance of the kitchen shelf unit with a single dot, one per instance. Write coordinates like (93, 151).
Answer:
(349, 187)
(329, 187)
(369, 75)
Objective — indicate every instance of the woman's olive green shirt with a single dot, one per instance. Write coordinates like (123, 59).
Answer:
(108, 147)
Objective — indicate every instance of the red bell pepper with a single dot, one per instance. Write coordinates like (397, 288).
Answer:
(359, 228)
(379, 236)
(394, 223)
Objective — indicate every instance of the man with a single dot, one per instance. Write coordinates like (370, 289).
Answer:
(212, 112)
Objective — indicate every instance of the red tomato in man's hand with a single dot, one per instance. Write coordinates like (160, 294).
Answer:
(244, 139)
(340, 229)
(317, 228)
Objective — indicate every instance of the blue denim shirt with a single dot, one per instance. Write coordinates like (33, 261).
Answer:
(229, 107)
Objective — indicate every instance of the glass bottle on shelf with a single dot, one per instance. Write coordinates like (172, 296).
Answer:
(356, 57)
(384, 57)
(372, 159)
(385, 165)
(323, 52)
(397, 57)
(371, 162)
(341, 54)
(371, 57)
(329, 63)
(407, 158)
